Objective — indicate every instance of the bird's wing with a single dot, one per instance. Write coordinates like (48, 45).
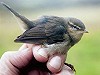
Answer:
(35, 35)
(49, 32)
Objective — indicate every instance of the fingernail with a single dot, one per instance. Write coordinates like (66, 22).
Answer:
(36, 48)
(42, 53)
(55, 62)
(26, 49)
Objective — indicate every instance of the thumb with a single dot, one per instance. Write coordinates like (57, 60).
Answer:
(21, 58)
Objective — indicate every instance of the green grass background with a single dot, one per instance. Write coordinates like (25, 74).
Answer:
(85, 55)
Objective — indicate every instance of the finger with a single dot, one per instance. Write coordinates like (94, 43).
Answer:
(66, 71)
(39, 53)
(24, 46)
(38, 72)
(6, 66)
(55, 63)
(18, 58)
(30, 46)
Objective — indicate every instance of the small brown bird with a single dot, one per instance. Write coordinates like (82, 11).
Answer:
(56, 33)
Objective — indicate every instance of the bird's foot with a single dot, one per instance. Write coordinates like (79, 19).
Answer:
(71, 66)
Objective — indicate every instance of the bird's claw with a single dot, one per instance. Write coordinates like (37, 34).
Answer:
(71, 66)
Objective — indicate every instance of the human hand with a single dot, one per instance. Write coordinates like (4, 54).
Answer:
(33, 60)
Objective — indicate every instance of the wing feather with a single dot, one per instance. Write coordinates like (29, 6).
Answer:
(48, 32)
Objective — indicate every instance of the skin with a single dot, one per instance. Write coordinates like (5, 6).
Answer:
(23, 62)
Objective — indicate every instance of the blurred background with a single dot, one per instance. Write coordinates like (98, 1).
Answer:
(85, 56)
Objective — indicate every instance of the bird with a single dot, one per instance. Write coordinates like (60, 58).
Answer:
(56, 33)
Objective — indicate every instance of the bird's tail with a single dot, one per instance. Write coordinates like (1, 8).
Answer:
(27, 23)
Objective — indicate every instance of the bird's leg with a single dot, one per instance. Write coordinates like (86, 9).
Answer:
(44, 46)
(71, 66)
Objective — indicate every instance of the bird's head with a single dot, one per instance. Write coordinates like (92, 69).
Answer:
(75, 29)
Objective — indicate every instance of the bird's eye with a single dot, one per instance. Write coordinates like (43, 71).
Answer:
(75, 27)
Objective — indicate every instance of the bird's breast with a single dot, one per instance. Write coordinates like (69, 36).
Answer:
(60, 48)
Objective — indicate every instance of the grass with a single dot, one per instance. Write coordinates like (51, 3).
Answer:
(85, 55)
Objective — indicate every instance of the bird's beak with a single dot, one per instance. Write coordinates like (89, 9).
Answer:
(85, 31)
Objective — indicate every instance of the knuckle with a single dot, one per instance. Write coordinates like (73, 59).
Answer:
(7, 54)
